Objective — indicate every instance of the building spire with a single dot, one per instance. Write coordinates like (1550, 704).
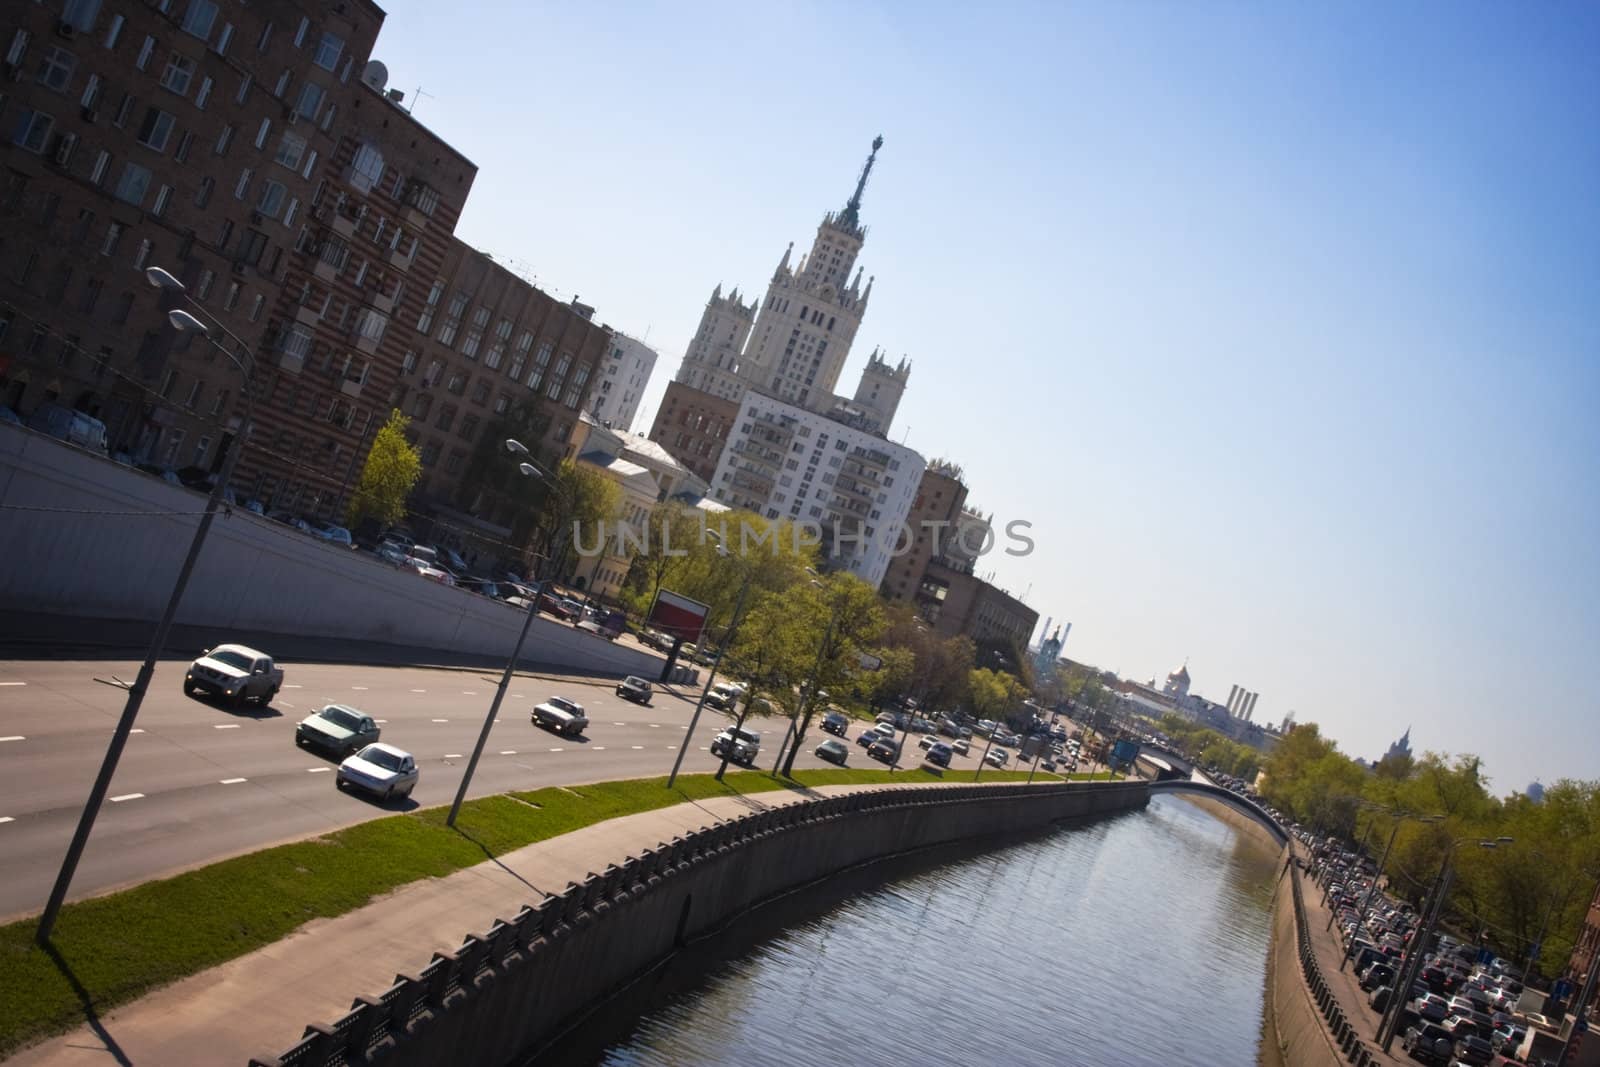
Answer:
(851, 216)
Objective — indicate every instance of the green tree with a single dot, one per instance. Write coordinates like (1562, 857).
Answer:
(993, 694)
(574, 504)
(845, 617)
(388, 476)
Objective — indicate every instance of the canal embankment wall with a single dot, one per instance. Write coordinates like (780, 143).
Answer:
(95, 540)
(522, 982)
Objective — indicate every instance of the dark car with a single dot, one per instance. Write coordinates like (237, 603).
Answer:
(338, 729)
(868, 738)
(834, 752)
(634, 689)
(836, 723)
(1376, 975)
(939, 754)
(1429, 1042)
(1473, 1050)
(884, 750)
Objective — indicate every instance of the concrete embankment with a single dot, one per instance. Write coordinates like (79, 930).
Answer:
(509, 991)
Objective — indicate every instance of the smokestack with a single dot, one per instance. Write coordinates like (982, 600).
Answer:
(1044, 634)
(1233, 695)
(1250, 707)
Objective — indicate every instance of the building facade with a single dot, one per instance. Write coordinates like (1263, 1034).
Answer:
(786, 462)
(935, 509)
(625, 376)
(693, 426)
(955, 602)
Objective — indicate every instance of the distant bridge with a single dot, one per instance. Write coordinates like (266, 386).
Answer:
(1216, 792)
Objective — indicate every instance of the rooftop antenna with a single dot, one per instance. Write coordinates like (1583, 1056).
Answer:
(414, 97)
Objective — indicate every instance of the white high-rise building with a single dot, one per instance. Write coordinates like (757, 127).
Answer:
(624, 374)
(786, 462)
(792, 344)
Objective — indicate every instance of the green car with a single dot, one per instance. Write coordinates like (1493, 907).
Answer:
(834, 752)
(336, 729)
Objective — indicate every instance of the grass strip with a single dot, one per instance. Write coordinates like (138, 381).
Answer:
(112, 949)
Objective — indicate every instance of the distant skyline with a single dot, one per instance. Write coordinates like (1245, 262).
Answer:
(1279, 324)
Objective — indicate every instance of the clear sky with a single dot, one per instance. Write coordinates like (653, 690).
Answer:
(1280, 323)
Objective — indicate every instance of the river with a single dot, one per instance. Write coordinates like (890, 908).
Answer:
(1139, 939)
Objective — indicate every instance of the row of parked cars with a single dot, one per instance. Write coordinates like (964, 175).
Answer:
(1460, 1010)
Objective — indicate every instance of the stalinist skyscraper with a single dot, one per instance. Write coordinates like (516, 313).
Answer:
(790, 345)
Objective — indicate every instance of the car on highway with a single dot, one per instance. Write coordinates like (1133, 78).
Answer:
(1433, 1008)
(724, 695)
(834, 751)
(1376, 975)
(1047, 765)
(635, 689)
(560, 715)
(996, 758)
(884, 749)
(962, 746)
(939, 753)
(1473, 1050)
(1507, 1039)
(234, 674)
(1430, 1042)
(738, 744)
(882, 729)
(836, 723)
(379, 769)
(867, 737)
(927, 741)
(338, 729)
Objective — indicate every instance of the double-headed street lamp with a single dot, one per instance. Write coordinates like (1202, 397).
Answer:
(1411, 965)
(528, 469)
(190, 323)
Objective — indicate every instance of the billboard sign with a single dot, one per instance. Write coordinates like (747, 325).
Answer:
(677, 616)
(1124, 752)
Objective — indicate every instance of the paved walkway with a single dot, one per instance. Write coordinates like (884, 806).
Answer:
(1352, 998)
(259, 1004)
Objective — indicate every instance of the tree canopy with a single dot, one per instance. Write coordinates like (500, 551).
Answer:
(387, 477)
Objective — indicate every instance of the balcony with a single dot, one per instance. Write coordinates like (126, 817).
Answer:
(350, 387)
(324, 270)
(289, 362)
(308, 316)
(342, 224)
(400, 260)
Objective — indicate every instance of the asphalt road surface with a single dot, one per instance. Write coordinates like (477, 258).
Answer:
(198, 782)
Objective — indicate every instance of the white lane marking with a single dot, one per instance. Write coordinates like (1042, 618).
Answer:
(638, 748)
(671, 747)
(558, 750)
(137, 730)
(705, 748)
(6, 818)
(441, 720)
(13, 683)
(14, 737)
(318, 770)
(359, 688)
(224, 726)
(232, 781)
(452, 755)
(381, 722)
(619, 724)
(508, 752)
(419, 690)
(294, 687)
(126, 796)
(469, 692)
(685, 726)
(599, 748)
(655, 726)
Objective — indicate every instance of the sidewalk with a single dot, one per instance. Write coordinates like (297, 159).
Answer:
(260, 1003)
(1346, 989)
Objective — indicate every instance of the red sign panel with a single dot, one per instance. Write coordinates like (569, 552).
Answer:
(678, 616)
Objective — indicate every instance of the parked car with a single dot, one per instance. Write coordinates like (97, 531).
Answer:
(1379, 998)
(962, 746)
(1507, 1039)
(882, 729)
(562, 608)
(724, 695)
(867, 737)
(1047, 765)
(836, 723)
(607, 623)
(7, 415)
(561, 715)
(834, 751)
(1430, 1042)
(939, 753)
(1376, 975)
(738, 744)
(379, 769)
(635, 689)
(1473, 1050)
(73, 427)
(1433, 1008)
(337, 728)
(996, 758)
(234, 673)
(884, 749)
(391, 552)
(927, 741)
(335, 534)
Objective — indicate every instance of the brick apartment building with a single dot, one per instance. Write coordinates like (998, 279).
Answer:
(241, 149)
(693, 425)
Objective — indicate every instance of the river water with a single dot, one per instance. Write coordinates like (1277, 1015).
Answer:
(1139, 939)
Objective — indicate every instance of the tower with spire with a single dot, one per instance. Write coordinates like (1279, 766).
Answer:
(792, 344)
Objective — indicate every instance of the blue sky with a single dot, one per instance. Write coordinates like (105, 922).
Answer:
(1280, 324)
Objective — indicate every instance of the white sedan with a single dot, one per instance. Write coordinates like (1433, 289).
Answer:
(561, 715)
(380, 769)
(996, 758)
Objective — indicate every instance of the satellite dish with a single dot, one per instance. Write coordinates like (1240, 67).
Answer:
(375, 75)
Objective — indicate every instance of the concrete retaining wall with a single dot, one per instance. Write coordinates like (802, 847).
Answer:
(508, 991)
(88, 537)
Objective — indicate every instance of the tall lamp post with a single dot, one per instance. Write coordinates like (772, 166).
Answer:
(716, 661)
(244, 360)
(528, 469)
(1411, 966)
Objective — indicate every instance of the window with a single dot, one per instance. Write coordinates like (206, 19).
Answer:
(241, 188)
(146, 50)
(480, 392)
(305, 172)
(422, 197)
(367, 168)
(91, 95)
(469, 428)
(114, 31)
(300, 32)
(156, 129)
(124, 109)
(224, 139)
(202, 194)
(262, 131)
(272, 197)
(328, 51)
(310, 103)
(502, 403)
(56, 67)
(80, 14)
(181, 153)
(291, 211)
(224, 39)
(291, 149)
(282, 86)
(231, 300)
(133, 184)
(265, 39)
(420, 406)
(469, 344)
(425, 319)
(371, 324)
(244, 89)
(195, 392)
(575, 390)
(142, 257)
(108, 247)
(554, 391)
(200, 18)
(251, 244)
(457, 383)
(540, 362)
(33, 130)
(430, 453)
(334, 252)
(297, 342)
(178, 74)
(203, 93)
(447, 416)
(208, 278)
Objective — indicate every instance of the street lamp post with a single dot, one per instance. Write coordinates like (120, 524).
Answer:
(528, 469)
(1411, 966)
(244, 360)
(716, 661)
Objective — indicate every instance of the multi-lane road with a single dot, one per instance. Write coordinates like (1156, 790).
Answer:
(199, 782)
